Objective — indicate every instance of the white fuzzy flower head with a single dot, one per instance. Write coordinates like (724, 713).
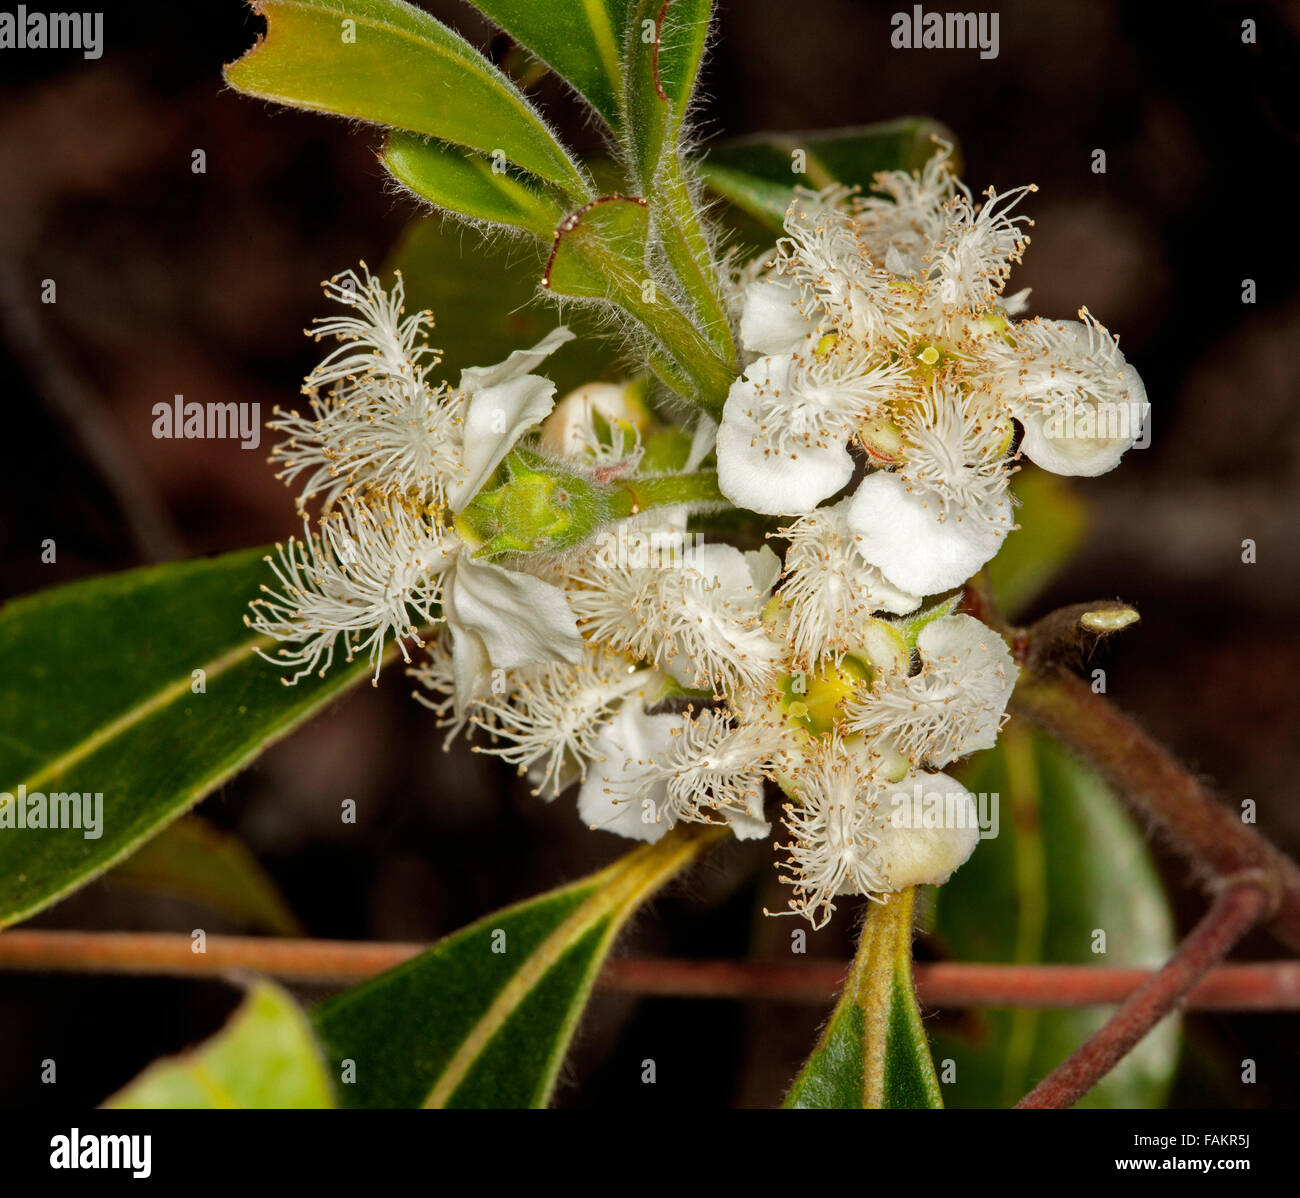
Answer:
(834, 831)
(378, 424)
(393, 455)
(952, 706)
(361, 579)
(548, 725)
(830, 587)
(879, 330)
(698, 619)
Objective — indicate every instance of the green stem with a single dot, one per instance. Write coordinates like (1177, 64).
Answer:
(640, 494)
(687, 251)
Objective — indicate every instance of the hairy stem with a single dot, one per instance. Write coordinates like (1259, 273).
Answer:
(1233, 914)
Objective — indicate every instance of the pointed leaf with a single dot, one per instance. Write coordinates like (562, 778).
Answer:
(265, 1058)
(759, 174)
(193, 860)
(100, 695)
(1066, 863)
(388, 62)
(665, 49)
(484, 1018)
(873, 1053)
(580, 40)
(471, 184)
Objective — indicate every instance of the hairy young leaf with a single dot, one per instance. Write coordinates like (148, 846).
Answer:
(473, 185)
(265, 1058)
(484, 1018)
(143, 687)
(873, 1053)
(580, 40)
(388, 62)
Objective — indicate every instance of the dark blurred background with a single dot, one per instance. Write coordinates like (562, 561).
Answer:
(172, 282)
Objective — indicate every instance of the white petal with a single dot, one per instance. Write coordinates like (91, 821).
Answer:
(764, 569)
(771, 322)
(899, 533)
(519, 363)
(520, 619)
(1055, 443)
(913, 854)
(704, 439)
(615, 797)
(755, 472)
(495, 419)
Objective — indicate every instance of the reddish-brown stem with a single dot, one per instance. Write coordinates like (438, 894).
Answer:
(1161, 791)
(1213, 837)
(1232, 915)
(1263, 987)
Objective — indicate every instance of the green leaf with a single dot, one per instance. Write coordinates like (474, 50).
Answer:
(470, 184)
(98, 695)
(759, 174)
(1066, 862)
(390, 63)
(1052, 523)
(600, 254)
(193, 860)
(580, 40)
(263, 1059)
(873, 1053)
(487, 304)
(484, 1018)
(661, 74)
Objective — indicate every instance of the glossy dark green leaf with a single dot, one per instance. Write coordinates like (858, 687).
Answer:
(99, 694)
(484, 1018)
(1052, 523)
(873, 1053)
(759, 174)
(193, 860)
(1066, 864)
(390, 63)
(486, 303)
(470, 184)
(265, 1058)
(582, 41)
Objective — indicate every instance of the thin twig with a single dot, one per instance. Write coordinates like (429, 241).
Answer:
(1214, 838)
(1263, 987)
(1232, 915)
(1209, 834)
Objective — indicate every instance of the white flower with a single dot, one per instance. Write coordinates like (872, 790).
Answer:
(834, 829)
(620, 793)
(359, 579)
(382, 427)
(936, 520)
(952, 706)
(845, 837)
(880, 322)
(1080, 403)
(551, 721)
(699, 619)
(830, 587)
(390, 451)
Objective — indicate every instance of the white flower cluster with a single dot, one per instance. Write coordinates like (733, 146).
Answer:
(393, 457)
(672, 680)
(880, 322)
